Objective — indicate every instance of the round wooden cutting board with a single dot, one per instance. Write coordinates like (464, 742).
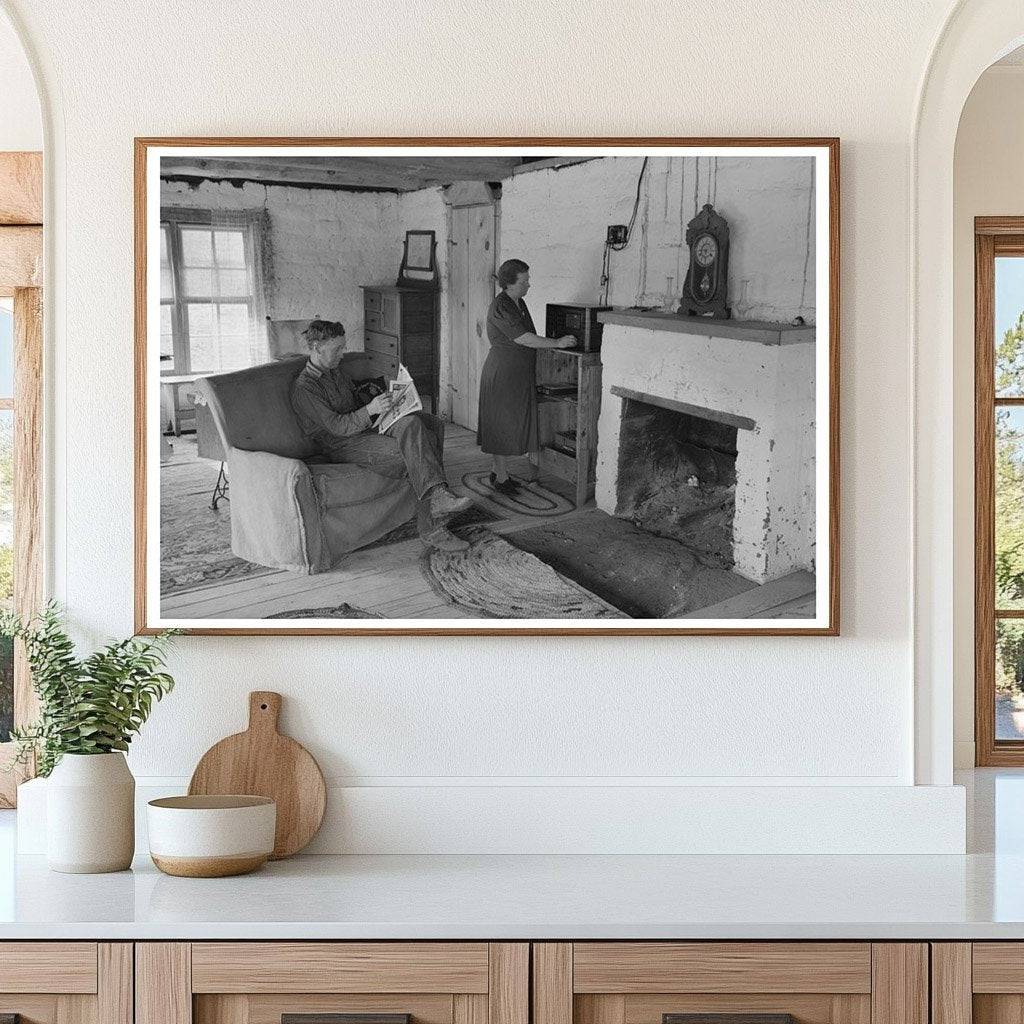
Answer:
(262, 762)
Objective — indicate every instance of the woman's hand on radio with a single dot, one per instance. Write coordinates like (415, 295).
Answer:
(566, 341)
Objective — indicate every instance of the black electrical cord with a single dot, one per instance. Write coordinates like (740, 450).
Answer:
(610, 247)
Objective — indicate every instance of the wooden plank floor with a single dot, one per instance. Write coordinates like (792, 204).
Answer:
(389, 581)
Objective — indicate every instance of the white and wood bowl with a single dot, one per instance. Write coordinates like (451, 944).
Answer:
(211, 836)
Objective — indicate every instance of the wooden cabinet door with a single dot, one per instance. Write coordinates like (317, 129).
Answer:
(260, 982)
(980, 982)
(66, 982)
(814, 982)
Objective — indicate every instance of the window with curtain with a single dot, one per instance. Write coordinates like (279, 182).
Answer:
(211, 303)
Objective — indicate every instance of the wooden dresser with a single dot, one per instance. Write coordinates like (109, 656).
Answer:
(400, 326)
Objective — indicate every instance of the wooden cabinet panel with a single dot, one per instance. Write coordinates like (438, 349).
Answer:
(998, 967)
(339, 967)
(69, 967)
(268, 1009)
(755, 967)
(899, 983)
(67, 982)
(257, 982)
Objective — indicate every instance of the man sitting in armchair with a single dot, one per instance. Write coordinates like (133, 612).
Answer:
(332, 415)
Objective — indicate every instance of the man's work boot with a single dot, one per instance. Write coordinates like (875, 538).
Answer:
(444, 504)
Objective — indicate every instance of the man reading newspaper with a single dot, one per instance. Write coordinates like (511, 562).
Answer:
(404, 441)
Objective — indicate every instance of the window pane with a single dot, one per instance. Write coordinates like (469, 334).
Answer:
(6, 348)
(166, 281)
(166, 339)
(232, 284)
(1009, 325)
(1009, 524)
(199, 282)
(6, 566)
(197, 247)
(230, 248)
(1009, 679)
(219, 337)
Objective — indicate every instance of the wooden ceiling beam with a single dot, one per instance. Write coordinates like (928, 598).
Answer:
(400, 174)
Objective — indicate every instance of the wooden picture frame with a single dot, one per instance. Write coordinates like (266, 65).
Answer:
(419, 251)
(823, 207)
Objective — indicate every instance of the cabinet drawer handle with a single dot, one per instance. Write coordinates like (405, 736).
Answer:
(728, 1018)
(341, 1018)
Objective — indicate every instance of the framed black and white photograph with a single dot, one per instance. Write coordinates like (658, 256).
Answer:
(487, 386)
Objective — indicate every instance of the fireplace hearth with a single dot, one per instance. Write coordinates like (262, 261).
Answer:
(677, 478)
(707, 435)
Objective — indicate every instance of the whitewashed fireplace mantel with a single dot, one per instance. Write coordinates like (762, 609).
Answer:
(756, 376)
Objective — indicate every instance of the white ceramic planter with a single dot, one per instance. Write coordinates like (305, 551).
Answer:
(90, 814)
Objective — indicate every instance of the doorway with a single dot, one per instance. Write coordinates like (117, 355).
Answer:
(474, 221)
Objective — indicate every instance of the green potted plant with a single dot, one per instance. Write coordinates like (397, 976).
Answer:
(89, 710)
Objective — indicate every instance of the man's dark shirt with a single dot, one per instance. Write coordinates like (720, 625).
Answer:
(327, 406)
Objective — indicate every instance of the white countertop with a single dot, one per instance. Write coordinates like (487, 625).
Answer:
(532, 897)
(977, 896)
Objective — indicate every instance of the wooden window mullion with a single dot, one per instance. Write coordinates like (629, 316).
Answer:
(984, 501)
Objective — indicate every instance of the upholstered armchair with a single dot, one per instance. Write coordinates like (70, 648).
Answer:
(288, 510)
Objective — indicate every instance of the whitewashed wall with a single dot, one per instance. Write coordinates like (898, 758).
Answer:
(414, 726)
(324, 244)
(556, 221)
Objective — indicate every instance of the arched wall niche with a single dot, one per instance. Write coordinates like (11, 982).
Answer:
(975, 35)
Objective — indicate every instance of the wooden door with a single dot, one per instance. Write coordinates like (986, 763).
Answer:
(64, 982)
(472, 248)
(649, 982)
(265, 982)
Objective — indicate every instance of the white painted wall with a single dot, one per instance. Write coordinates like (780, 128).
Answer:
(556, 221)
(21, 123)
(449, 714)
(323, 244)
(988, 181)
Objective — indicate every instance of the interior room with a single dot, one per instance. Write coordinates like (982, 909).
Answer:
(511, 516)
(685, 532)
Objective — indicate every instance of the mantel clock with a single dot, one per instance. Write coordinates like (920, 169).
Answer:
(705, 292)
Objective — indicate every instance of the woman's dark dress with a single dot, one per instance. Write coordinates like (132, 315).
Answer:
(507, 420)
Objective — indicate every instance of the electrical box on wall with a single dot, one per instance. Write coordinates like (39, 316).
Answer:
(618, 234)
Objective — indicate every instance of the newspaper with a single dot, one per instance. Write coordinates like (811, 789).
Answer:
(403, 399)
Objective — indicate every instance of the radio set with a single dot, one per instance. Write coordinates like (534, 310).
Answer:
(579, 321)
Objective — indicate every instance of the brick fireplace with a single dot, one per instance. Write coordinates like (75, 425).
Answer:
(707, 434)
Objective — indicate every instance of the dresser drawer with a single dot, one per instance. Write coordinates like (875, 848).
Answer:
(259, 982)
(373, 320)
(748, 982)
(378, 364)
(386, 344)
(48, 967)
(372, 301)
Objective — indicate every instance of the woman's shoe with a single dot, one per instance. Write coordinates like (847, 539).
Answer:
(507, 486)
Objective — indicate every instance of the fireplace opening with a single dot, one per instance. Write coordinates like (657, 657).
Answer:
(677, 478)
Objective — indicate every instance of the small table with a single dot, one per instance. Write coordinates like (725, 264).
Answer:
(169, 387)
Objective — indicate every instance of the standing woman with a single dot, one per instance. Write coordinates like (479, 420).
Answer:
(507, 420)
